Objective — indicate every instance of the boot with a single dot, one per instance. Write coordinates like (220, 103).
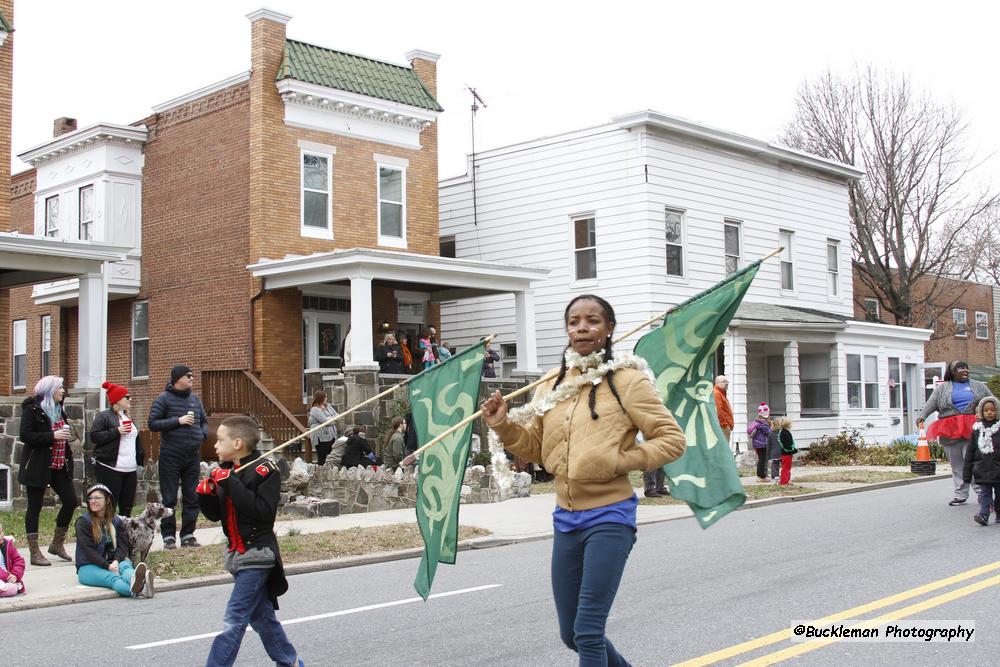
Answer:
(56, 548)
(36, 554)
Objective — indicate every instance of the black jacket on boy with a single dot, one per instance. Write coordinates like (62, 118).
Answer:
(984, 468)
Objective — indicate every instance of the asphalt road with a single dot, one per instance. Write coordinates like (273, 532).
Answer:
(686, 593)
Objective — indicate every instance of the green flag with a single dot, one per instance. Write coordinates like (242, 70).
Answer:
(680, 354)
(440, 398)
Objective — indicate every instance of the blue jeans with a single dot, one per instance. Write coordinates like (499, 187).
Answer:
(95, 575)
(986, 494)
(248, 604)
(587, 567)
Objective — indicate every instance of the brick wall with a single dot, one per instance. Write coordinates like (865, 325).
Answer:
(945, 346)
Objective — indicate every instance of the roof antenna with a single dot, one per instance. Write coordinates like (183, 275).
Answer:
(476, 101)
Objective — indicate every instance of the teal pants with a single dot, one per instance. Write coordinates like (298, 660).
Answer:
(94, 575)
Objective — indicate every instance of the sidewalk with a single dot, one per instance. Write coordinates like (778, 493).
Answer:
(518, 519)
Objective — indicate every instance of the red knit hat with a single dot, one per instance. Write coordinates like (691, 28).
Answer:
(116, 392)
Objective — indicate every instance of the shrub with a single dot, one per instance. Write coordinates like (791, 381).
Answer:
(481, 459)
(994, 384)
(846, 448)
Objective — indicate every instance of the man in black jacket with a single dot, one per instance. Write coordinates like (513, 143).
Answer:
(177, 414)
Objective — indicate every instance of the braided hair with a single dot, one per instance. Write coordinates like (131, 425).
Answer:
(609, 315)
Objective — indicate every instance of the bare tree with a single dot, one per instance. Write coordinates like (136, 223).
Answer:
(912, 209)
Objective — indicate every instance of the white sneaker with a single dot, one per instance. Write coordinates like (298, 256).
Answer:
(148, 591)
(138, 581)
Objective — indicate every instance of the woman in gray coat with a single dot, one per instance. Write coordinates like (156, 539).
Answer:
(955, 401)
(322, 440)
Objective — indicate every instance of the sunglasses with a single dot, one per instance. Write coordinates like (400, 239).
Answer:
(190, 375)
(92, 498)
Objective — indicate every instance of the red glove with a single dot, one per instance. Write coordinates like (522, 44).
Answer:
(206, 487)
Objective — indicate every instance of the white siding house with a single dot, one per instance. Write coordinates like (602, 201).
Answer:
(649, 210)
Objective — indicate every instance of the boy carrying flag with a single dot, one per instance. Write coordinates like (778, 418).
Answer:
(246, 503)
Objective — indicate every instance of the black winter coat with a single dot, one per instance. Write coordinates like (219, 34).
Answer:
(354, 452)
(984, 468)
(175, 438)
(389, 364)
(89, 553)
(36, 434)
(105, 436)
(254, 492)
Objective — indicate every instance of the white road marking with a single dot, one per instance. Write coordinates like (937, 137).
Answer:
(305, 619)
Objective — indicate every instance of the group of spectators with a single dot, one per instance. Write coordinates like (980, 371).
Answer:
(399, 355)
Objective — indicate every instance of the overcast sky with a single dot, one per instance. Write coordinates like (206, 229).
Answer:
(542, 67)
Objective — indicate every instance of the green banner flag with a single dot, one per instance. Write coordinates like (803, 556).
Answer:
(440, 398)
(680, 353)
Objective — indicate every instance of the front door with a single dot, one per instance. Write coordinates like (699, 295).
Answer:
(322, 336)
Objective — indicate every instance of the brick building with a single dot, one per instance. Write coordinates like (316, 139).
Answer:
(257, 219)
(966, 330)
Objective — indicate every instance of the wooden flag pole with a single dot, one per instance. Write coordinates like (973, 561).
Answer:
(552, 373)
(341, 415)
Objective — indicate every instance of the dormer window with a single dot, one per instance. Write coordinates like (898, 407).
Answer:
(87, 213)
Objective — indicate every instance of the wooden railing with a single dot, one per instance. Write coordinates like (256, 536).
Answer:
(238, 391)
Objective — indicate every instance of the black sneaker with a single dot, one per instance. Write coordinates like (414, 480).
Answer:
(138, 579)
(980, 519)
(190, 542)
(652, 494)
(169, 543)
(957, 501)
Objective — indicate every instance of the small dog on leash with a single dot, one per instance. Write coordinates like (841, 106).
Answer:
(141, 529)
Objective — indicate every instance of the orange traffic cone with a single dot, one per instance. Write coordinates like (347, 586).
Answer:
(923, 464)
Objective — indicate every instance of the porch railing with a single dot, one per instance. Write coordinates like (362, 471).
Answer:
(238, 391)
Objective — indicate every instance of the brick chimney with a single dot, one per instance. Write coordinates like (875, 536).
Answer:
(64, 125)
(424, 64)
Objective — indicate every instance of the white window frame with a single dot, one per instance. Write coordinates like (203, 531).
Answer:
(133, 339)
(878, 309)
(984, 320)
(81, 223)
(895, 391)
(804, 380)
(833, 272)
(962, 324)
(308, 230)
(678, 244)
(51, 223)
(786, 238)
(864, 381)
(383, 240)
(574, 251)
(19, 348)
(46, 356)
(738, 225)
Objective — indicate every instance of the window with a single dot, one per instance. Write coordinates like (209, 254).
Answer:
(894, 387)
(674, 223)
(776, 384)
(732, 242)
(52, 217)
(862, 381)
(982, 325)
(317, 186)
(833, 267)
(20, 354)
(814, 381)
(46, 344)
(585, 248)
(787, 269)
(872, 312)
(958, 317)
(140, 339)
(447, 246)
(391, 206)
(87, 213)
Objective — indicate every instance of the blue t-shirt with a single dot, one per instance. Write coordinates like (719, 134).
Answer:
(961, 395)
(623, 512)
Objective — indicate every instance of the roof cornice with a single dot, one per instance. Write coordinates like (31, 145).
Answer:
(293, 91)
(739, 142)
(202, 92)
(422, 55)
(46, 247)
(269, 14)
(100, 133)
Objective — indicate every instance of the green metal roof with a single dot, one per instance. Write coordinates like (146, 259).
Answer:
(5, 24)
(354, 74)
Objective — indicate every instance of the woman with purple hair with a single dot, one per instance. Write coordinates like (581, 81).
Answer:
(47, 460)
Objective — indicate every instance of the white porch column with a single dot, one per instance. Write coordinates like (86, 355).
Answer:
(527, 350)
(362, 341)
(92, 341)
(793, 389)
(736, 371)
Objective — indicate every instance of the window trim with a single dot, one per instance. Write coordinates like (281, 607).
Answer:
(790, 250)
(390, 241)
(738, 224)
(964, 332)
(666, 266)
(828, 381)
(305, 230)
(895, 391)
(79, 212)
(986, 323)
(833, 273)
(133, 339)
(863, 382)
(46, 345)
(15, 325)
(577, 280)
(51, 232)
(878, 309)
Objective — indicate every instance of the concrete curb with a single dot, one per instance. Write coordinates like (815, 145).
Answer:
(487, 542)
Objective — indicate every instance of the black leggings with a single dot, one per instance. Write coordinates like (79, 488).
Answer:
(63, 486)
(122, 485)
(323, 450)
(761, 462)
